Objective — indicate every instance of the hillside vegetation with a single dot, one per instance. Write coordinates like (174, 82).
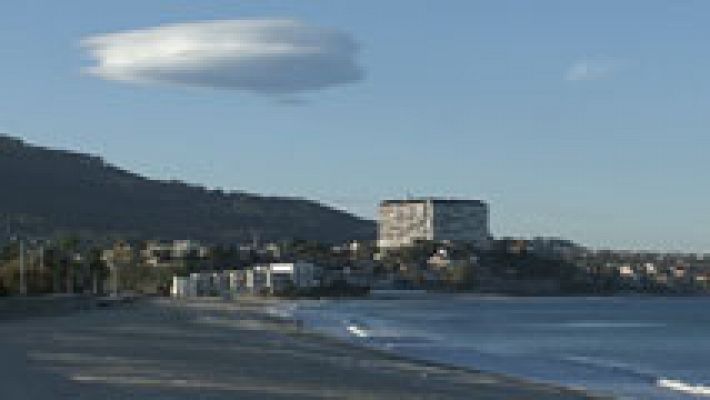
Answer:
(48, 192)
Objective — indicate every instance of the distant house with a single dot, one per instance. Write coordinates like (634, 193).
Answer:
(627, 271)
(201, 284)
(256, 279)
(120, 254)
(284, 276)
(180, 249)
(171, 254)
(275, 278)
(180, 287)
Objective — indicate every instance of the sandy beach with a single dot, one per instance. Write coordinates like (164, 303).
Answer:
(164, 349)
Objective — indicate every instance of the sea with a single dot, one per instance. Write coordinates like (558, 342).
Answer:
(628, 347)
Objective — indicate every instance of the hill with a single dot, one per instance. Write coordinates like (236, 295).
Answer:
(47, 192)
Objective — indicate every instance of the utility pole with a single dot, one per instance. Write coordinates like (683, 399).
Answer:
(23, 283)
(41, 257)
(114, 278)
(94, 279)
(41, 279)
(69, 278)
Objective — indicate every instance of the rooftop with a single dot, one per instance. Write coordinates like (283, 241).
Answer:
(440, 200)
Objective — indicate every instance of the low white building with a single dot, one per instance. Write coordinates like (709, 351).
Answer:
(257, 279)
(271, 278)
(201, 284)
(279, 277)
(300, 274)
(180, 287)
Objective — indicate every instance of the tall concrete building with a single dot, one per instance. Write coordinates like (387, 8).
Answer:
(403, 222)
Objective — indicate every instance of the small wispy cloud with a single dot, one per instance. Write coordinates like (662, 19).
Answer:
(268, 56)
(593, 69)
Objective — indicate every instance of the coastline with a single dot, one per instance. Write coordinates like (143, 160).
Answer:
(20, 308)
(294, 327)
(531, 342)
(523, 382)
(163, 348)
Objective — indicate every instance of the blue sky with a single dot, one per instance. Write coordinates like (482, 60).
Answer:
(582, 119)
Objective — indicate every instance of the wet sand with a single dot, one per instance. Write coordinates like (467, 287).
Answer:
(164, 349)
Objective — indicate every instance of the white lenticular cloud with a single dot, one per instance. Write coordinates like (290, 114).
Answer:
(592, 69)
(270, 56)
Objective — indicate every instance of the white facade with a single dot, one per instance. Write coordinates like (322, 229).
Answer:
(261, 279)
(164, 254)
(185, 248)
(277, 277)
(180, 287)
(257, 279)
(402, 223)
(301, 274)
(199, 284)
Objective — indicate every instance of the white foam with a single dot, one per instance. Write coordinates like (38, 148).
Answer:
(680, 386)
(426, 330)
(358, 331)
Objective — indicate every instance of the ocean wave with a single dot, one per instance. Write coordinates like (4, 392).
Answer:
(358, 331)
(613, 365)
(574, 344)
(610, 324)
(384, 337)
(683, 387)
(628, 369)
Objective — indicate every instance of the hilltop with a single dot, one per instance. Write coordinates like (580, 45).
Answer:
(48, 192)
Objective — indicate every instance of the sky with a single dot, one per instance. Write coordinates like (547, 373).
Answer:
(580, 119)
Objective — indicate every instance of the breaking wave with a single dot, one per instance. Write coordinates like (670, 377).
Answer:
(683, 387)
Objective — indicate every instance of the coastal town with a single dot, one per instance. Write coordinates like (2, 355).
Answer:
(354, 200)
(427, 244)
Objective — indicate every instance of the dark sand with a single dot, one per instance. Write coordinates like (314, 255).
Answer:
(162, 349)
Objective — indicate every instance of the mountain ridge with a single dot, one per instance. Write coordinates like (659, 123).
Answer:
(50, 191)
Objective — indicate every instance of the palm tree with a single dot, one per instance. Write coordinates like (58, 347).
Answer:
(68, 247)
(97, 270)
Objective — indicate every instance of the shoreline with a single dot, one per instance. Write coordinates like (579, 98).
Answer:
(298, 329)
(212, 348)
(22, 308)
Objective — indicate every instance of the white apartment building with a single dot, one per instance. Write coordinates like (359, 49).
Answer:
(403, 222)
(199, 284)
(277, 277)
